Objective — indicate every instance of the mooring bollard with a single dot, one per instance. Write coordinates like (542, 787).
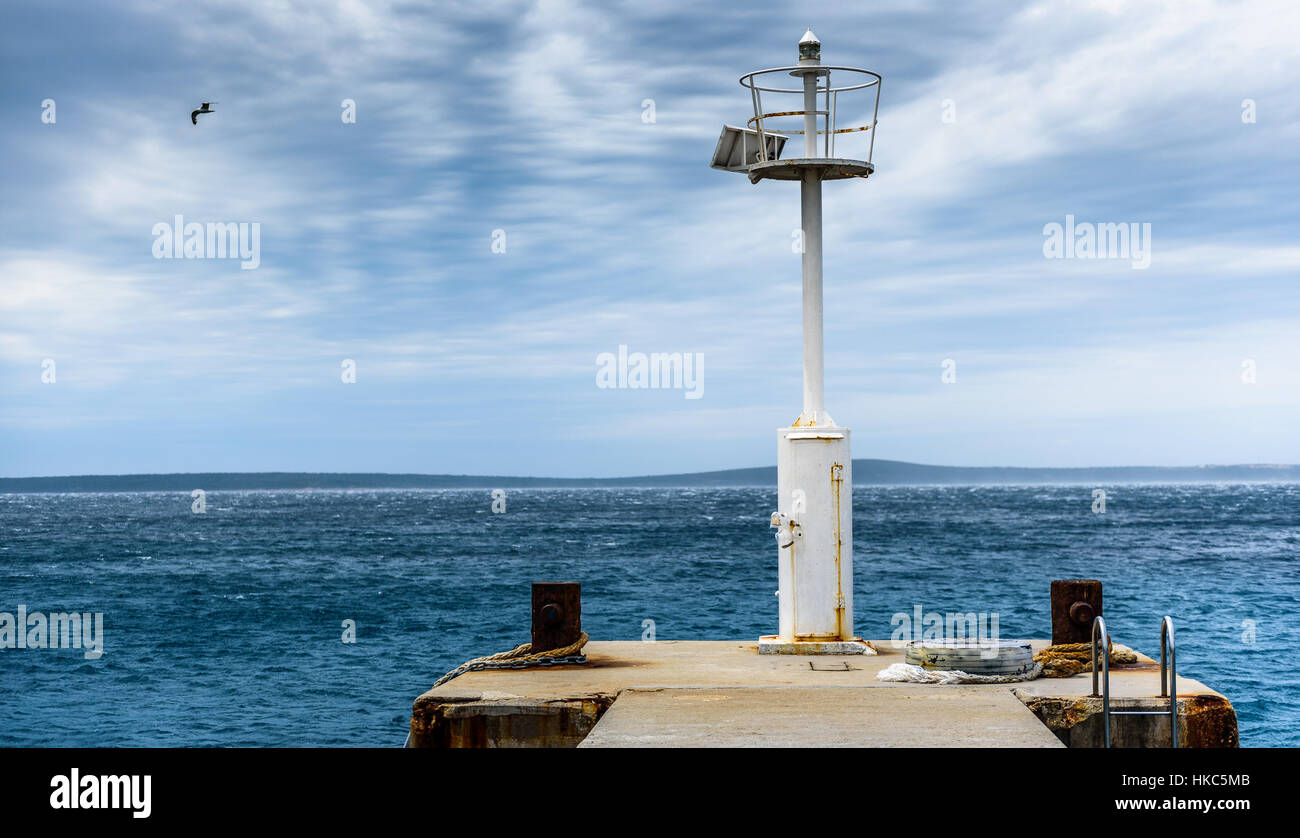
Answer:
(1075, 604)
(557, 614)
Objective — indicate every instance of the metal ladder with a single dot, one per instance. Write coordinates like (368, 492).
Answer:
(1168, 678)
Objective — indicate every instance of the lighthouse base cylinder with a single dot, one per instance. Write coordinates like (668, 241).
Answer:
(814, 533)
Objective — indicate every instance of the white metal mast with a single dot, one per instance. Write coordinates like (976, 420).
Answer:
(814, 517)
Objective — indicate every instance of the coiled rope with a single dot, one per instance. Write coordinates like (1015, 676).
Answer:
(521, 654)
(1066, 659)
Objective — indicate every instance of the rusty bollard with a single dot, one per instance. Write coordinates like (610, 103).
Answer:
(557, 615)
(1075, 604)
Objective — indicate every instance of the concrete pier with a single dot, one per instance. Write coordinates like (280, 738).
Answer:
(724, 694)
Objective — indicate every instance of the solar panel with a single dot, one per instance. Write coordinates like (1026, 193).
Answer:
(737, 148)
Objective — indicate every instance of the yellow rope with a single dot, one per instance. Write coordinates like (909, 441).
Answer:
(1066, 659)
(522, 654)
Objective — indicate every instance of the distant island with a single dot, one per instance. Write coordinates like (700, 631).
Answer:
(865, 473)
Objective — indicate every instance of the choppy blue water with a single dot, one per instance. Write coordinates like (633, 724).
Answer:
(225, 628)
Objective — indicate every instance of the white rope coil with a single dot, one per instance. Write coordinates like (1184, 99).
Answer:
(907, 673)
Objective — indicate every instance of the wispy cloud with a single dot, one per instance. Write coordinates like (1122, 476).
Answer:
(522, 124)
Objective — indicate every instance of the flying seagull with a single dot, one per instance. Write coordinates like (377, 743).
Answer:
(194, 115)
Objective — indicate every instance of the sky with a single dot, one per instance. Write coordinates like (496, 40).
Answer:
(526, 186)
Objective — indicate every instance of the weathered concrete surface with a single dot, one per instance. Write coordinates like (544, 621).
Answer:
(773, 645)
(578, 695)
(819, 717)
(505, 721)
(1204, 721)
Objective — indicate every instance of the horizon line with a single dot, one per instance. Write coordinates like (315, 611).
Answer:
(661, 476)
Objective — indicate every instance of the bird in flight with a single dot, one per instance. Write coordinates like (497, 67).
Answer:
(194, 115)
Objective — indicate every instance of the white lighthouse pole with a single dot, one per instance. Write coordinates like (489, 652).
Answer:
(814, 467)
(810, 194)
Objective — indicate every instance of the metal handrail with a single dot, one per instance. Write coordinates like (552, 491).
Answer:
(790, 131)
(748, 80)
(1168, 678)
(1100, 625)
(1167, 633)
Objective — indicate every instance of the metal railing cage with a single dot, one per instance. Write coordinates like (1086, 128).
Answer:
(827, 115)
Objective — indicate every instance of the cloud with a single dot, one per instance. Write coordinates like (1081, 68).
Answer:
(527, 118)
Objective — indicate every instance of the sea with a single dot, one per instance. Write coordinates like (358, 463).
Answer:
(315, 617)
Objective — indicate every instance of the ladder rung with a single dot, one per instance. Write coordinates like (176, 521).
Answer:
(1139, 712)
